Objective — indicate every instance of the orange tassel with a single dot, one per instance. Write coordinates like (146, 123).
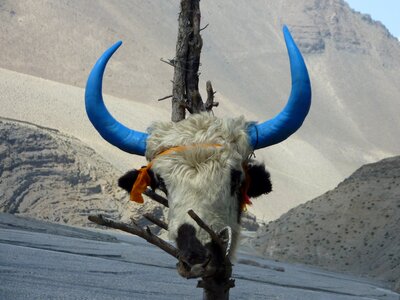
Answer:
(142, 182)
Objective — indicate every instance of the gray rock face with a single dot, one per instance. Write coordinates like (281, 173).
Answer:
(47, 175)
(354, 227)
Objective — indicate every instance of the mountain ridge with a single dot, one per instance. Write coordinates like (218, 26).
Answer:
(353, 118)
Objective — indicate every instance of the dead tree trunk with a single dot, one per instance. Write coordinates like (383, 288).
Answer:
(185, 90)
(186, 96)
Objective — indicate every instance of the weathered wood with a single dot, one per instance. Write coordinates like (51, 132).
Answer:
(156, 221)
(186, 95)
(214, 290)
(185, 89)
(182, 45)
(156, 197)
(170, 62)
(194, 102)
(216, 286)
(166, 97)
(207, 228)
(136, 230)
(210, 97)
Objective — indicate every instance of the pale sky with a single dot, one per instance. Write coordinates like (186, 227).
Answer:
(386, 11)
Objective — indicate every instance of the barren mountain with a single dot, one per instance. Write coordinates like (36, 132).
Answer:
(354, 227)
(50, 176)
(352, 61)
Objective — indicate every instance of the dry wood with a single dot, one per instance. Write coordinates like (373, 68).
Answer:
(216, 290)
(216, 286)
(210, 97)
(185, 88)
(170, 62)
(156, 197)
(136, 230)
(207, 228)
(201, 29)
(156, 221)
(182, 44)
(194, 102)
(186, 95)
(166, 97)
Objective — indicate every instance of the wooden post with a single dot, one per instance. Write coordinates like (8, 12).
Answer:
(185, 89)
(179, 62)
(186, 96)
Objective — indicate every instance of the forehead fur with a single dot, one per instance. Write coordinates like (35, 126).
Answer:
(201, 128)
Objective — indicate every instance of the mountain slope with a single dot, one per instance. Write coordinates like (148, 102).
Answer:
(351, 228)
(50, 176)
(352, 62)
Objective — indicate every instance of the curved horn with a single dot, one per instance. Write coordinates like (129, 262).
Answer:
(109, 128)
(292, 116)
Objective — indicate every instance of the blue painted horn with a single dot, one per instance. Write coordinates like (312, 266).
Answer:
(294, 113)
(110, 129)
(261, 135)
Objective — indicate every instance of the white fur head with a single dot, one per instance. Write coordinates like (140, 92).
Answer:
(199, 178)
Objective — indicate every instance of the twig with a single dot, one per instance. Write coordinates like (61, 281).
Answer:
(170, 62)
(204, 27)
(166, 97)
(210, 97)
(156, 197)
(203, 225)
(136, 230)
(156, 221)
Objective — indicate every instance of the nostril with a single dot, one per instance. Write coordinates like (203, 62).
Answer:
(191, 249)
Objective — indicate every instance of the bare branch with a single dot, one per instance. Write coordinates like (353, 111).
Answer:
(156, 221)
(166, 97)
(136, 230)
(204, 27)
(170, 62)
(203, 225)
(156, 197)
(210, 97)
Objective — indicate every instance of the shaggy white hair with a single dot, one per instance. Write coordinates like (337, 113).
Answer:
(199, 178)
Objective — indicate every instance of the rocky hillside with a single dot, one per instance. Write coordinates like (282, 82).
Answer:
(354, 227)
(353, 62)
(50, 176)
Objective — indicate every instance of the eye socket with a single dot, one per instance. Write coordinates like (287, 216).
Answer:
(157, 182)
